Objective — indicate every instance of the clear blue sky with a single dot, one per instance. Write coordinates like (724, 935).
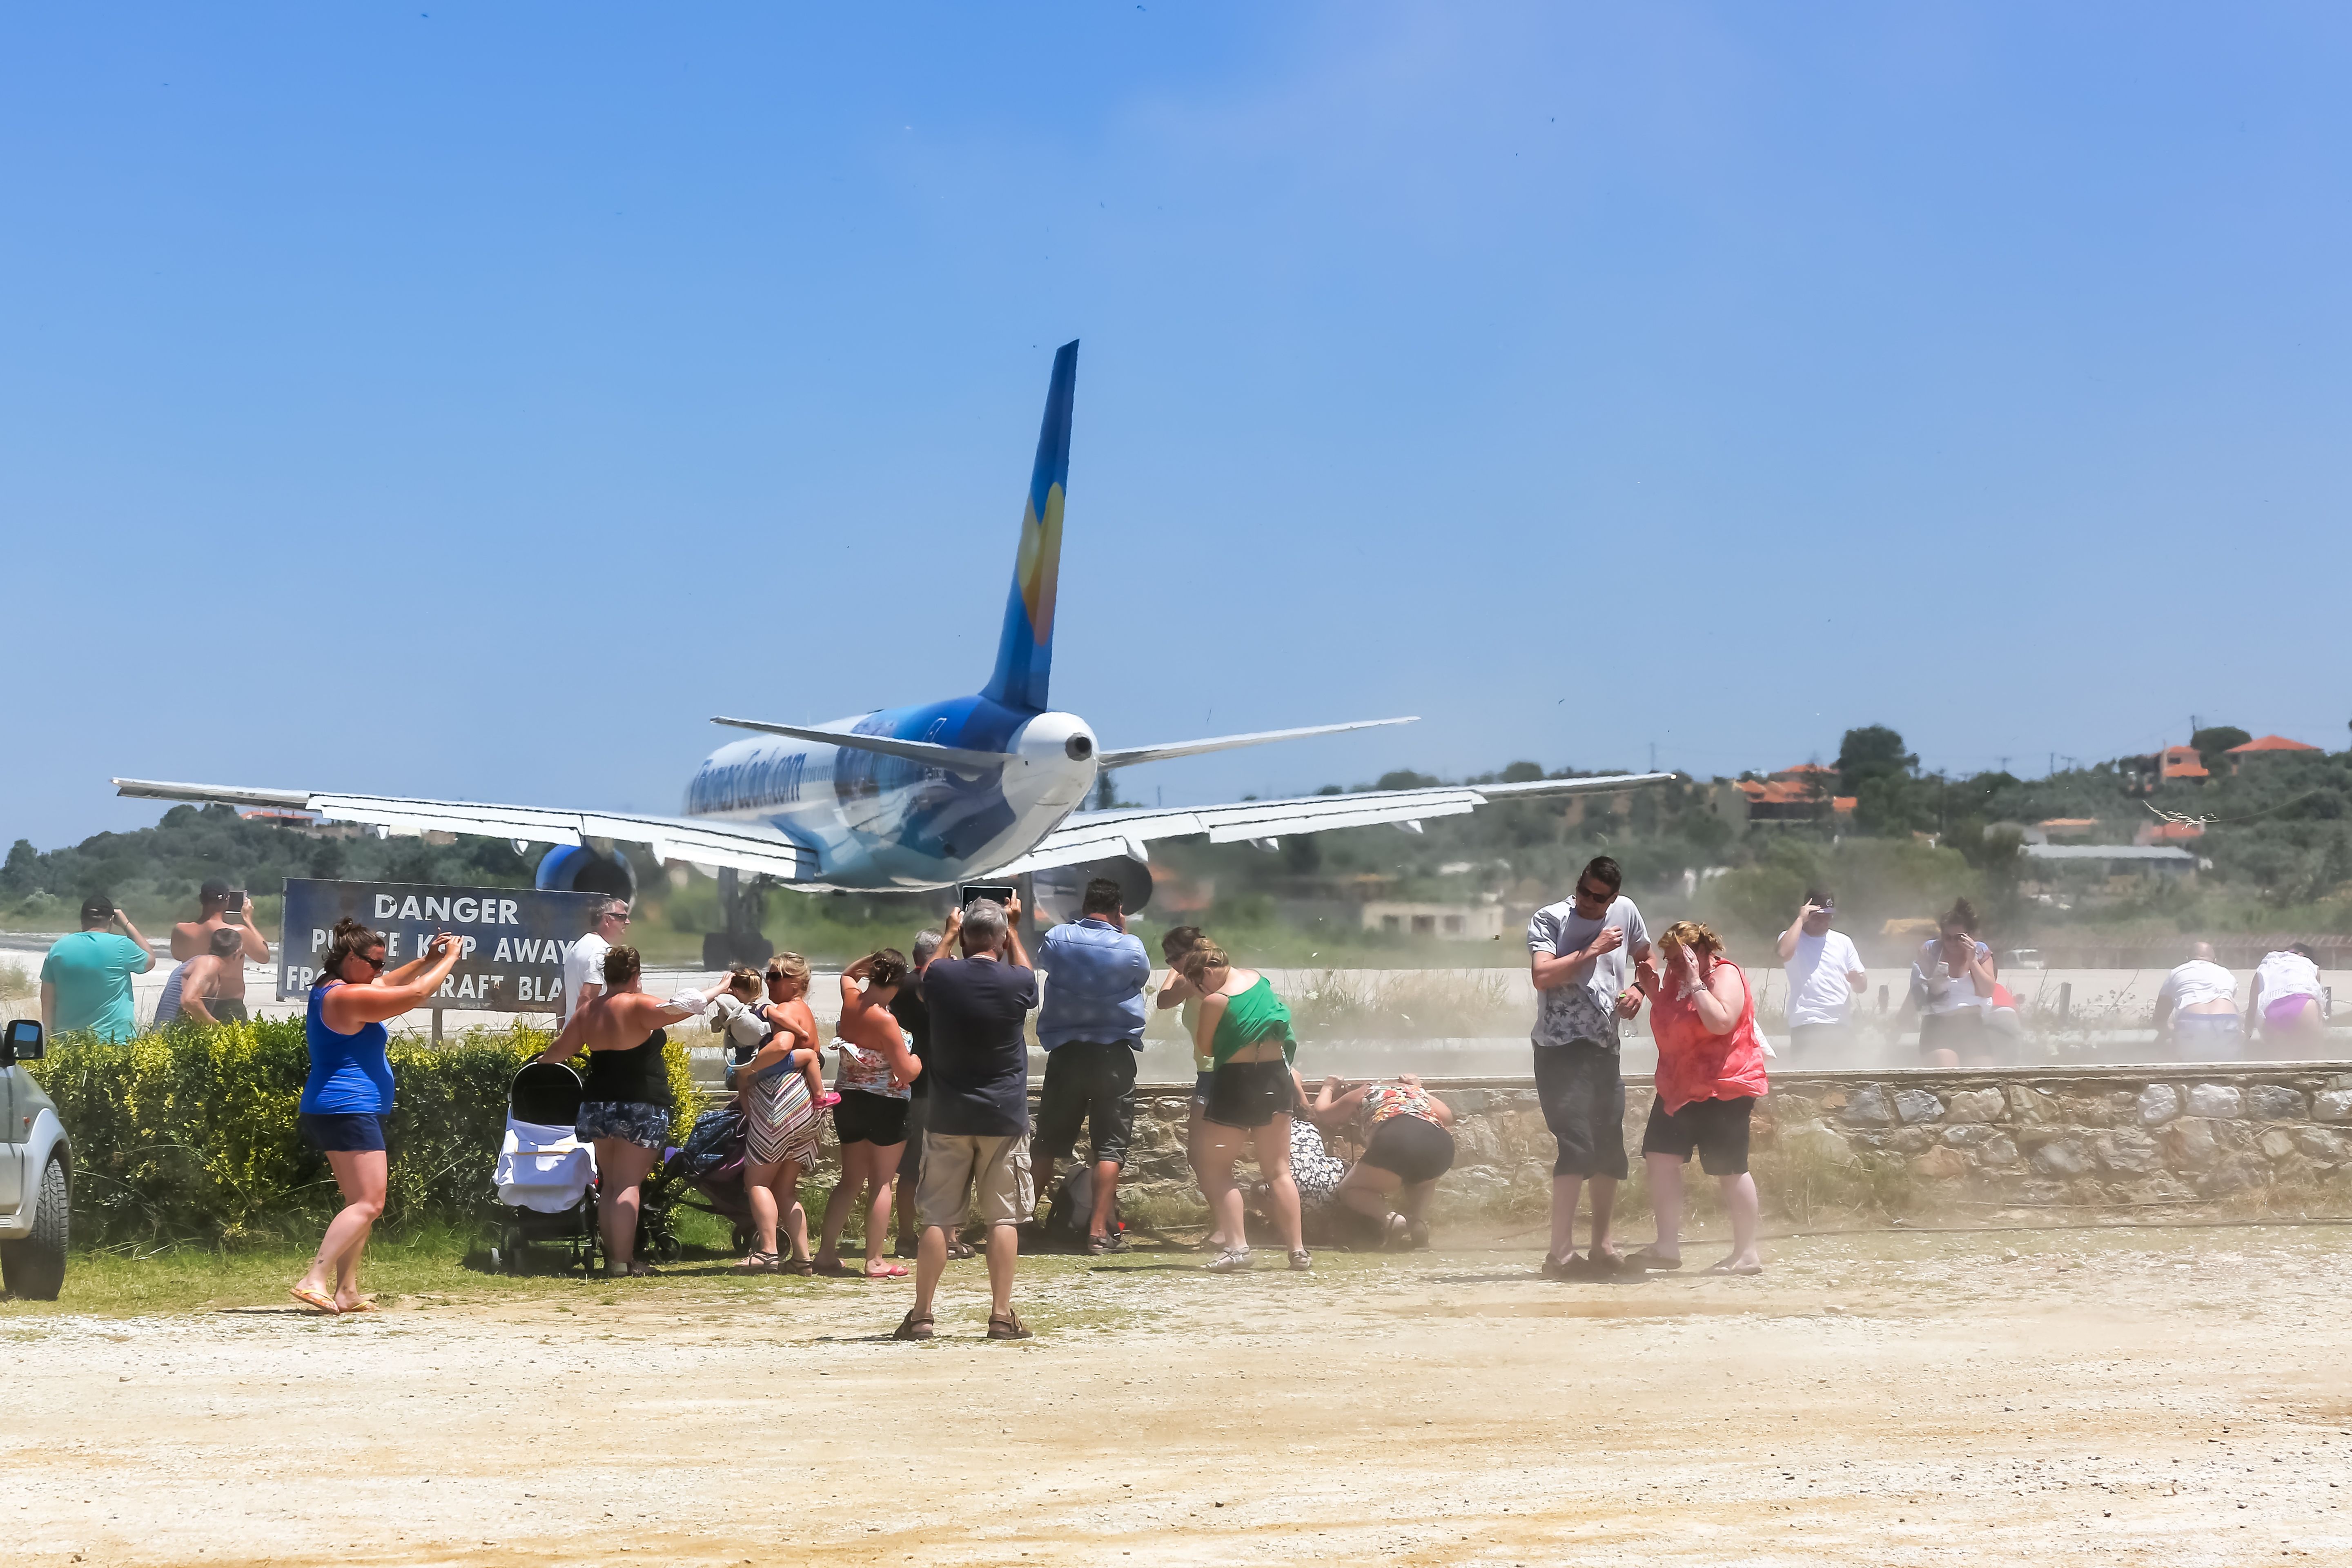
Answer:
(469, 400)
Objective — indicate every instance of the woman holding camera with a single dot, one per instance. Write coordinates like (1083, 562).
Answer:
(875, 1100)
(348, 1093)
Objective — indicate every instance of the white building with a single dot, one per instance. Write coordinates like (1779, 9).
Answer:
(1448, 922)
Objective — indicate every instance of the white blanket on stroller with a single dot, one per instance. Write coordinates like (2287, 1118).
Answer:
(543, 1168)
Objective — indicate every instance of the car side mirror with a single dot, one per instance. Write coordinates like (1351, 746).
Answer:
(23, 1042)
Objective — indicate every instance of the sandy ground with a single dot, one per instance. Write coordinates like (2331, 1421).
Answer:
(2177, 1397)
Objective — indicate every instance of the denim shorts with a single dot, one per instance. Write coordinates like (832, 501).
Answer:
(344, 1132)
(630, 1120)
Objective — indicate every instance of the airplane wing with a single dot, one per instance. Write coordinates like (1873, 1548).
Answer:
(1127, 757)
(744, 846)
(1098, 835)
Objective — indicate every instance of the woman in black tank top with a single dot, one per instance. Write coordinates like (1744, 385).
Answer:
(625, 1101)
(636, 1076)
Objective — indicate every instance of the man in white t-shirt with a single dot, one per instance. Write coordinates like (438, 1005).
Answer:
(1581, 953)
(583, 966)
(1825, 976)
(2197, 1011)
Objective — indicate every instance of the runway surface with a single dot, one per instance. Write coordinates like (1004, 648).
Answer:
(2173, 1397)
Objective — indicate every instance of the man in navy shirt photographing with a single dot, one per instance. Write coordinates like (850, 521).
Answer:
(978, 1065)
(1091, 1027)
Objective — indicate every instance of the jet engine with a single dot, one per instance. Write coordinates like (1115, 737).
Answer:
(583, 869)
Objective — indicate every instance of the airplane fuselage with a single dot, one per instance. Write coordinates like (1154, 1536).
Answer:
(878, 823)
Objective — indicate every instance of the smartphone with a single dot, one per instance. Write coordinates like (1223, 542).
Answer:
(234, 911)
(1000, 892)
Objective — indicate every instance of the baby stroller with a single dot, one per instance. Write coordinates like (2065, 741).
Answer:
(546, 1177)
(712, 1163)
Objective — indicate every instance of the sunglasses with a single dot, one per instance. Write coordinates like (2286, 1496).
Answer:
(379, 962)
(1590, 897)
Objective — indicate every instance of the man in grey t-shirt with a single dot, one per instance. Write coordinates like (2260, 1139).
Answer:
(1581, 954)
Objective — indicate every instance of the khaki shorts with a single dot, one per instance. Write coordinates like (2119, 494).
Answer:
(996, 1171)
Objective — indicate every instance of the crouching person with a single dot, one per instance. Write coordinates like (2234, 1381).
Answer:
(1407, 1146)
(1710, 1075)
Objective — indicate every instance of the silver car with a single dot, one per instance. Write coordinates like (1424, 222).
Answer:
(35, 1172)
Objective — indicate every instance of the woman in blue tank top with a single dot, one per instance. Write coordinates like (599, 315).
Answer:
(349, 1091)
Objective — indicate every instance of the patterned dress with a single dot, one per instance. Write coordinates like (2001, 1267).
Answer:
(1313, 1168)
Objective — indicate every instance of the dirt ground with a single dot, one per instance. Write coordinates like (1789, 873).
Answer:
(2175, 1396)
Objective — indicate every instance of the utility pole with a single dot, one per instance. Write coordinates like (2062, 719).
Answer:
(1653, 756)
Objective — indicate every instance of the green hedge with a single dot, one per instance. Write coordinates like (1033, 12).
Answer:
(190, 1133)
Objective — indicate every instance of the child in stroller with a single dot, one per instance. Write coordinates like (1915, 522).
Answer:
(546, 1178)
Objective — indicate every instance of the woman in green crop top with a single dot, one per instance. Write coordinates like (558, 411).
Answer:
(1176, 992)
(1245, 1031)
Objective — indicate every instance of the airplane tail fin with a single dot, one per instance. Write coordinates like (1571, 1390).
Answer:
(1025, 653)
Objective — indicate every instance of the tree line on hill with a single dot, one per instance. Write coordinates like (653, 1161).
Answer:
(2277, 832)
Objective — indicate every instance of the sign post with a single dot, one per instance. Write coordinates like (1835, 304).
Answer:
(515, 938)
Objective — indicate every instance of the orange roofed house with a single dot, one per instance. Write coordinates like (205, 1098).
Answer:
(2267, 746)
(1801, 793)
(2181, 762)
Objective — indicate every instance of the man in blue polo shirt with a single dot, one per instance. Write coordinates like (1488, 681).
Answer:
(1091, 1026)
(85, 979)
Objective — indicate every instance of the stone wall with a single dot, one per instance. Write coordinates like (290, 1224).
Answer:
(1931, 1146)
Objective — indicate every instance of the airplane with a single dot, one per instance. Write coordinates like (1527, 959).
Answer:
(979, 788)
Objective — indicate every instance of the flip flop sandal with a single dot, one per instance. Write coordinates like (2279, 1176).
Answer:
(1726, 1267)
(912, 1328)
(794, 1266)
(1008, 1327)
(363, 1306)
(1646, 1260)
(893, 1272)
(756, 1263)
(960, 1249)
(836, 1269)
(317, 1301)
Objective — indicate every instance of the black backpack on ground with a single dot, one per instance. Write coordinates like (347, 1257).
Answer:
(1072, 1214)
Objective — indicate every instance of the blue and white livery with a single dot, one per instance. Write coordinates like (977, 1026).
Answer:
(926, 796)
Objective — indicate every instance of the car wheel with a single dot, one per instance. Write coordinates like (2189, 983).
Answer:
(34, 1268)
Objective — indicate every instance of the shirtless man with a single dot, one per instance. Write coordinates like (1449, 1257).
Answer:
(193, 939)
(194, 988)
